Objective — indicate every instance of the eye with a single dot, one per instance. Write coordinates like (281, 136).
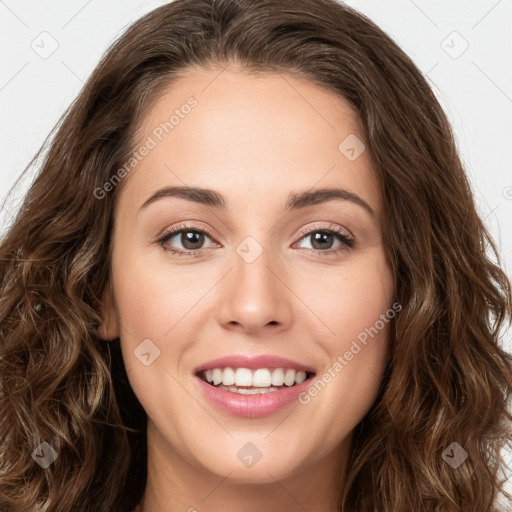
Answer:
(191, 239)
(322, 240)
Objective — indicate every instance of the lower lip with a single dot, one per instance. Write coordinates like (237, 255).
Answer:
(252, 406)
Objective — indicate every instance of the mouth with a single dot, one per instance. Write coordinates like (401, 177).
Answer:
(246, 381)
(251, 386)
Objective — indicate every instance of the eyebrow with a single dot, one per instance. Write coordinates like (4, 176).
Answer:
(296, 200)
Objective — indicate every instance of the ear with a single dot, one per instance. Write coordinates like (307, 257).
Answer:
(109, 327)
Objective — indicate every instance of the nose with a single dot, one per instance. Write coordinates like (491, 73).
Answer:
(255, 297)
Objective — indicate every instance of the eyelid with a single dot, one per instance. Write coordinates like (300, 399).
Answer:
(307, 230)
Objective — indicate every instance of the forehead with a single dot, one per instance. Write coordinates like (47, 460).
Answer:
(261, 135)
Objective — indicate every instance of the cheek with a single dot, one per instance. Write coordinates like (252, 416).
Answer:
(158, 303)
(350, 298)
(146, 311)
(150, 300)
(342, 394)
(356, 304)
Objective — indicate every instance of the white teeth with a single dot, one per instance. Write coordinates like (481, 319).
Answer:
(289, 377)
(217, 376)
(228, 377)
(260, 378)
(278, 377)
(243, 377)
(300, 377)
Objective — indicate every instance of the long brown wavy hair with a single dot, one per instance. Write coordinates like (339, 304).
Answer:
(448, 380)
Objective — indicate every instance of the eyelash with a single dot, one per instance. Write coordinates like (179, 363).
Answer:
(347, 241)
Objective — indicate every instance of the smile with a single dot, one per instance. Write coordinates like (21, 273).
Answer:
(252, 393)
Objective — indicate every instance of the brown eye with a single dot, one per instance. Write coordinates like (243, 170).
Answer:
(186, 240)
(189, 239)
(324, 240)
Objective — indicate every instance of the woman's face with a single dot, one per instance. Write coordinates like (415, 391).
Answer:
(274, 269)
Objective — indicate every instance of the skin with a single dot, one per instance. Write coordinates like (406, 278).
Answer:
(255, 140)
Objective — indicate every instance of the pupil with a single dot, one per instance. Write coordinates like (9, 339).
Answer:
(322, 237)
(190, 237)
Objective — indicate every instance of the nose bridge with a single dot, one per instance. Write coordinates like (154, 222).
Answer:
(254, 295)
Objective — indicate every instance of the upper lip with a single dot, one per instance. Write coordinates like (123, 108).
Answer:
(253, 363)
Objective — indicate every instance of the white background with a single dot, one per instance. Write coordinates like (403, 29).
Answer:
(475, 88)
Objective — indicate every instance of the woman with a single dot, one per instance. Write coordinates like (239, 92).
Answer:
(173, 334)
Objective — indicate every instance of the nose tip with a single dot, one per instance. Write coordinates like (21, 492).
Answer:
(253, 297)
